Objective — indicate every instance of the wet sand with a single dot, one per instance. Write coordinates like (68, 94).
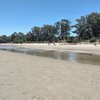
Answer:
(26, 77)
(80, 48)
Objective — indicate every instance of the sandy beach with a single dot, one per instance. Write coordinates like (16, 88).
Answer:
(79, 48)
(26, 77)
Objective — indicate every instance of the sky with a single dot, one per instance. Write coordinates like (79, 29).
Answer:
(22, 15)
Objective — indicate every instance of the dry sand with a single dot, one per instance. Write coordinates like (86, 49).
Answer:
(26, 77)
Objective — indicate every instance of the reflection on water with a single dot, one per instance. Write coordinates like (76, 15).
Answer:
(69, 56)
(72, 56)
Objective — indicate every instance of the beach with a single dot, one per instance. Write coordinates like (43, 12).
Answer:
(79, 48)
(26, 77)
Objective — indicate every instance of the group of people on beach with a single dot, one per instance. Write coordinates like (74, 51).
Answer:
(52, 42)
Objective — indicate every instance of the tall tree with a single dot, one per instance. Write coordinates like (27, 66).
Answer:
(29, 37)
(88, 26)
(82, 28)
(13, 36)
(36, 33)
(18, 37)
(93, 20)
(63, 28)
(48, 32)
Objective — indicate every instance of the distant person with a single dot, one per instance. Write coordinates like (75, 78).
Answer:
(48, 43)
(54, 43)
(95, 44)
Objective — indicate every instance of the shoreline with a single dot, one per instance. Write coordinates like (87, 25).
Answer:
(79, 48)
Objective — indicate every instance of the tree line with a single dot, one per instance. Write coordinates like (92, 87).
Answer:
(86, 28)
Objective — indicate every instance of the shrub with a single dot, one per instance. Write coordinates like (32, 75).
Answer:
(93, 39)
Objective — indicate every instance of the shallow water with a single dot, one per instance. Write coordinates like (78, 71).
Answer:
(68, 56)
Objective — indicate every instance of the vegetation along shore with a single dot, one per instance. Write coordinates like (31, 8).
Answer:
(87, 28)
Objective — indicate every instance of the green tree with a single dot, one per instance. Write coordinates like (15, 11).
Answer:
(82, 28)
(48, 33)
(29, 37)
(36, 33)
(93, 20)
(63, 28)
(13, 36)
(88, 26)
(18, 37)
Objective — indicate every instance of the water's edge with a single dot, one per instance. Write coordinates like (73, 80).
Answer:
(68, 56)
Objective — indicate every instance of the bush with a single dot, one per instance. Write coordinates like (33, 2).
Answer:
(99, 40)
(93, 39)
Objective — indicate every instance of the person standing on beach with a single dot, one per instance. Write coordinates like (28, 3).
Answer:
(95, 44)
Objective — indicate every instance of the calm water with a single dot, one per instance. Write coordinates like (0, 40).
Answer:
(68, 56)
